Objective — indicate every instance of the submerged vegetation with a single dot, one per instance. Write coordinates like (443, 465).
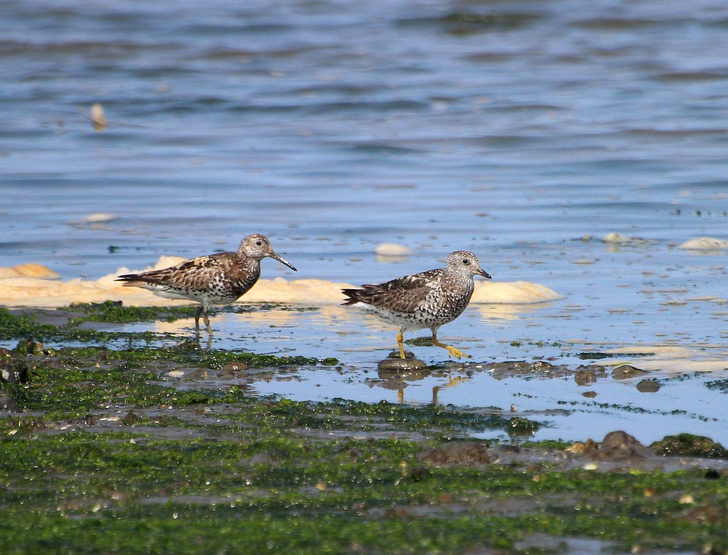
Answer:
(104, 453)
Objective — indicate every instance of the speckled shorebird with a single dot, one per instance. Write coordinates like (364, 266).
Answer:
(220, 278)
(426, 300)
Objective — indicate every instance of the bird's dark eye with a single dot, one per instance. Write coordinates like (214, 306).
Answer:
(466, 261)
(259, 243)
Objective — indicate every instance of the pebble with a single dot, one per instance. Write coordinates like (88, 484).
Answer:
(626, 371)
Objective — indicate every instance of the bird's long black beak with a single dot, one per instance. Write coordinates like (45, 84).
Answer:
(282, 260)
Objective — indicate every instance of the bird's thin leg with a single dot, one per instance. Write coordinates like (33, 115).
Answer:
(400, 339)
(197, 321)
(206, 319)
(457, 353)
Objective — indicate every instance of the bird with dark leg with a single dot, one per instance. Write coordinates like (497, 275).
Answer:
(214, 279)
(425, 300)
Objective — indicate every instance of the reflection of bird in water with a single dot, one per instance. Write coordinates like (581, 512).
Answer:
(215, 279)
(425, 300)
(394, 379)
(452, 382)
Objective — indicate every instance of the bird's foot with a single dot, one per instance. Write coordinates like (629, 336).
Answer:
(457, 353)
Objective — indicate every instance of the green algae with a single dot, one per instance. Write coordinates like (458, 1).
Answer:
(689, 445)
(116, 312)
(125, 491)
(718, 385)
(13, 326)
(106, 458)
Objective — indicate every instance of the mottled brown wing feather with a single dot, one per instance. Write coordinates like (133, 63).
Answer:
(193, 273)
(399, 295)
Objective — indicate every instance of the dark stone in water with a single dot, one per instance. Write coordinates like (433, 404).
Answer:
(542, 366)
(585, 377)
(625, 371)
(548, 370)
(400, 365)
(648, 386)
(620, 446)
(501, 370)
(521, 427)
(689, 445)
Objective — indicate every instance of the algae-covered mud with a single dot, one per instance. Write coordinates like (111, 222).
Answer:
(148, 442)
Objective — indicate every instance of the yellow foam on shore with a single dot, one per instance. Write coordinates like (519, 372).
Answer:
(27, 291)
(514, 292)
(28, 270)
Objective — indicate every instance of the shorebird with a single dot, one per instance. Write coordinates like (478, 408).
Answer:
(214, 279)
(425, 300)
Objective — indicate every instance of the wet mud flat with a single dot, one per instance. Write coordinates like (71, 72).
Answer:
(110, 448)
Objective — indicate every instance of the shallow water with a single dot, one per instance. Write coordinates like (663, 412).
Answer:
(524, 131)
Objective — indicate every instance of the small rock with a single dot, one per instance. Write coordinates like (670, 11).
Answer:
(688, 445)
(585, 377)
(501, 370)
(620, 446)
(549, 370)
(235, 366)
(648, 386)
(13, 372)
(712, 474)
(626, 371)
(541, 365)
(7, 403)
(401, 364)
(583, 448)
